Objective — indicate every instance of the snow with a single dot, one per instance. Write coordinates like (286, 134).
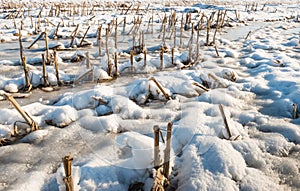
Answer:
(108, 127)
(35, 137)
(61, 116)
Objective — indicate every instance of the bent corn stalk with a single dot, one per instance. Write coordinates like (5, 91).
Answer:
(34, 126)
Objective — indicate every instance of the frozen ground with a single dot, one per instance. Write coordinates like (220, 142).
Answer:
(257, 80)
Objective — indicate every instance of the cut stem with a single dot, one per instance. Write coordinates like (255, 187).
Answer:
(167, 152)
(47, 47)
(56, 68)
(80, 44)
(45, 77)
(156, 147)
(28, 85)
(131, 60)
(37, 39)
(68, 180)
(225, 120)
(167, 96)
(34, 126)
(295, 116)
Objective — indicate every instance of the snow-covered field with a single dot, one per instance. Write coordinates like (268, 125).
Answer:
(108, 126)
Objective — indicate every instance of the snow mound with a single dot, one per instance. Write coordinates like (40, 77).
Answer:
(126, 108)
(139, 153)
(210, 163)
(257, 180)
(110, 123)
(9, 116)
(35, 136)
(61, 116)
